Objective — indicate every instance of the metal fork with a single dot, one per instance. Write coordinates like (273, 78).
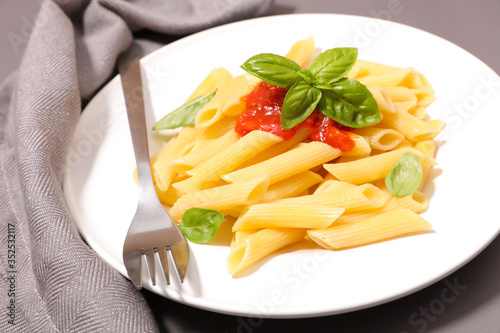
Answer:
(152, 231)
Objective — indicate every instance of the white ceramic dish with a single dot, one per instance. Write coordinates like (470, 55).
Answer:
(101, 193)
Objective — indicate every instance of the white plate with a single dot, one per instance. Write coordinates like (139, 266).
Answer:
(102, 197)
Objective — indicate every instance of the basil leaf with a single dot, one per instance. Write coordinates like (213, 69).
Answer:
(300, 101)
(349, 103)
(273, 69)
(184, 115)
(333, 64)
(322, 84)
(306, 75)
(200, 225)
(405, 176)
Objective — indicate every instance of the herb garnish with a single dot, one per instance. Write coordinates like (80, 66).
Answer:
(184, 115)
(322, 86)
(405, 176)
(200, 225)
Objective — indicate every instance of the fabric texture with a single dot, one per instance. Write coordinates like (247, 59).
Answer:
(50, 280)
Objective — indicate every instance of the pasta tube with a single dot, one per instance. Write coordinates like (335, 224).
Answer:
(397, 222)
(259, 245)
(276, 215)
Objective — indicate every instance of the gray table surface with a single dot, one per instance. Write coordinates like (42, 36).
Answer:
(474, 305)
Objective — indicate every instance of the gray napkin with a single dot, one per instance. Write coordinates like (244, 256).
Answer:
(50, 280)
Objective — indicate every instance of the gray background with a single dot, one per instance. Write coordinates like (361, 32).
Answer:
(466, 301)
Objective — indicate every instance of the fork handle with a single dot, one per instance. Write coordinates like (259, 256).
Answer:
(130, 73)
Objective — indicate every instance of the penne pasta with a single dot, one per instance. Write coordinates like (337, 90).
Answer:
(413, 128)
(387, 79)
(381, 138)
(292, 186)
(417, 202)
(361, 146)
(164, 174)
(374, 167)
(198, 156)
(217, 78)
(227, 101)
(278, 215)
(427, 147)
(233, 156)
(384, 101)
(355, 198)
(301, 52)
(395, 223)
(259, 245)
(222, 197)
(278, 168)
(217, 129)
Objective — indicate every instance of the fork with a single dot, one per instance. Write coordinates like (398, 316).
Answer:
(152, 231)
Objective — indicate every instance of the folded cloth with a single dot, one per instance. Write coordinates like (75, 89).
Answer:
(51, 281)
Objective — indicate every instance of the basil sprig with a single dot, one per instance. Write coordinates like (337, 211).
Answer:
(323, 85)
(184, 115)
(200, 225)
(405, 176)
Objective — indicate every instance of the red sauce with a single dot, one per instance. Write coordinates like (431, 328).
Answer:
(263, 112)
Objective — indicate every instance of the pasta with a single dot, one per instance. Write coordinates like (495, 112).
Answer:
(277, 190)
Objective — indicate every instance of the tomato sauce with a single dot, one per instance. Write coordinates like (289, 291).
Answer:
(263, 112)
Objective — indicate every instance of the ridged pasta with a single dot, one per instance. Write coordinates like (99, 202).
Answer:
(394, 223)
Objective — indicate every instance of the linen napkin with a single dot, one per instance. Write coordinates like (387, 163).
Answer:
(51, 281)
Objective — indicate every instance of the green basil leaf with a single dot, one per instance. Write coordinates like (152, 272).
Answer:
(306, 75)
(321, 84)
(349, 103)
(273, 69)
(300, 101)
(405, 176)
(184, 115)
(200, 225)
(333, 64)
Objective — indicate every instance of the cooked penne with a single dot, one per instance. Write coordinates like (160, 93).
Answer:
(416, 80)
(291, 186)
(333, 185)
(355, 198)
(427, 147)
(279, 167)
(301, 52)
(259, 245)
(374, 167)
(227, 101)
(278, 148)
(419, 112)
(387, 79)
(217, 129)
(416, 202)
(425, 97)
(278, 215)
(163, 173)
(397, 222)
(194, 184)
(401, 94)
(198, 156)
(368, 68)
(216, 79)
(384, 101)
(413, 128)
(233, 156)
(381, 138)
(361, 146)
(222, 197)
